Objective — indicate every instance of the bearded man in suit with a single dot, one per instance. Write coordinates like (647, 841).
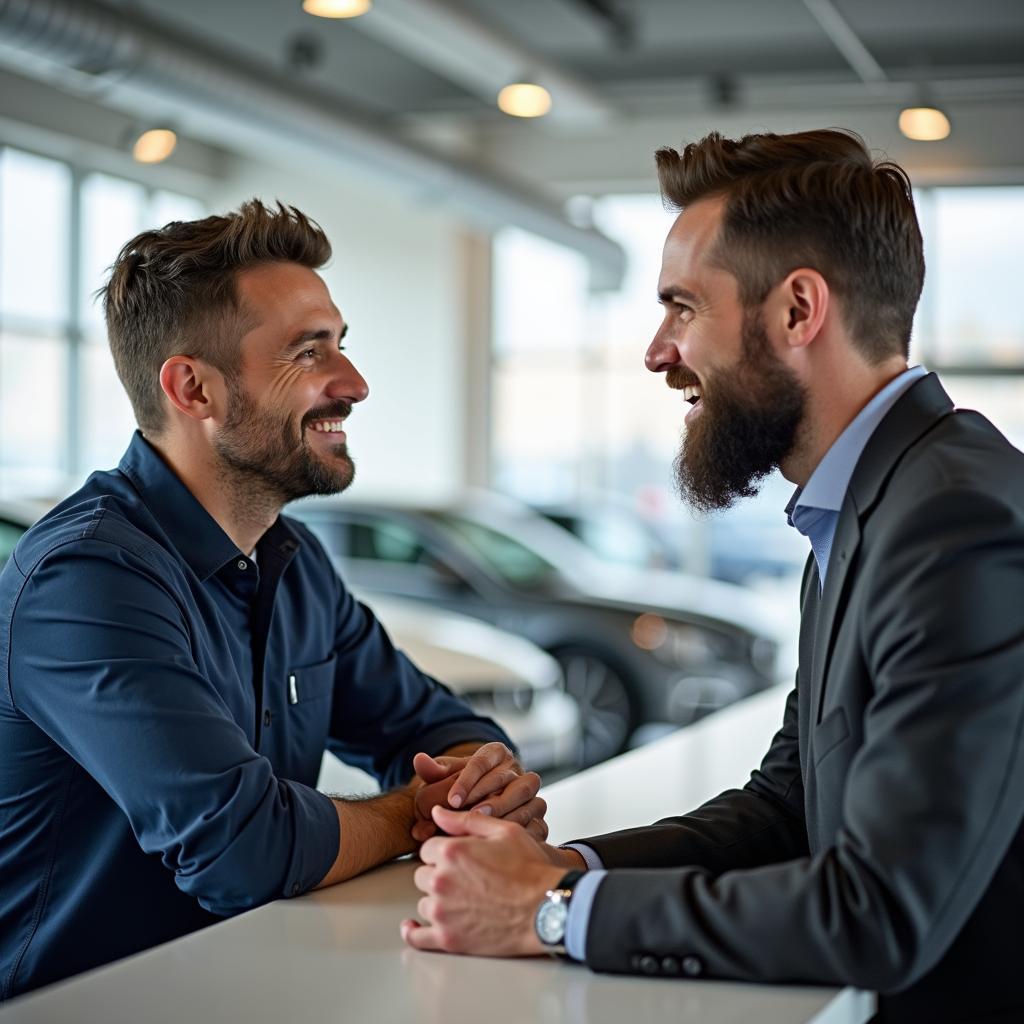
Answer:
(880, 842)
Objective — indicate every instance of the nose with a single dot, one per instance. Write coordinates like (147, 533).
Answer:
(347, 382)
(662, 353)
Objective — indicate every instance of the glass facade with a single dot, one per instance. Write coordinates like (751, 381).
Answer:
(63, 411)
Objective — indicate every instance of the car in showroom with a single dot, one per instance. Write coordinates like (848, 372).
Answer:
(635, 646)
(499, 674)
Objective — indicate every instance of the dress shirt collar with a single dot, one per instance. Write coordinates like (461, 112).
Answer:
(195, 534)
(827, 486)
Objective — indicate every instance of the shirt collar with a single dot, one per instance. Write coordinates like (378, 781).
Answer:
(195, 534)
(827, 486)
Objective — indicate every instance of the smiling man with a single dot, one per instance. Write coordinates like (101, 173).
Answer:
(176, 655)
(880, 843)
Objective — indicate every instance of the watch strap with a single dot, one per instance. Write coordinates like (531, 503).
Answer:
(569, 879)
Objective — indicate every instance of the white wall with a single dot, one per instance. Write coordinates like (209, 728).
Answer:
(399, 277)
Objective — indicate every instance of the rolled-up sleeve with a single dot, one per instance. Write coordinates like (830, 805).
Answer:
(110, 675)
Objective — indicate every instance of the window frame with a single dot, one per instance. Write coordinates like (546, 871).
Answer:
(72, 329)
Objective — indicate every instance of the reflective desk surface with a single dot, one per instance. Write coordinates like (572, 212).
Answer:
(336, 955)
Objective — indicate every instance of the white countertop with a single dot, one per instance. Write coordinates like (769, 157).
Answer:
(336, 955)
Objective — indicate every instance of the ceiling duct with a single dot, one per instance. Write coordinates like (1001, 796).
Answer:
(135, 66)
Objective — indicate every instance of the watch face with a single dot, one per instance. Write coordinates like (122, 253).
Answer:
(551, 922)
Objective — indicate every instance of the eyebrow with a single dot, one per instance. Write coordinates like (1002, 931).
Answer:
(673, 294)
(324, 334)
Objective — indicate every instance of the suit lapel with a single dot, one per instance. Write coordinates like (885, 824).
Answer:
(833, 598)
(920, 407)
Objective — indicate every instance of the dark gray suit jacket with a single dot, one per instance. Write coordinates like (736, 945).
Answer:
(880, 844)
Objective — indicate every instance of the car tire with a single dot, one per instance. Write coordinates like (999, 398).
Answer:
(607, 708)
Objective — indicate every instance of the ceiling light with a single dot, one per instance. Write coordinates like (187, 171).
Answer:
(924, 124)
(336, 8)
(154, 145)
(524, 99)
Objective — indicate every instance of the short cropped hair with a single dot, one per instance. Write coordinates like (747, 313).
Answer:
(173, 291)
(811, 199)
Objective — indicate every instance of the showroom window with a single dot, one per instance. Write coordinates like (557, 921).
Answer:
(576, 416)
(63, 411)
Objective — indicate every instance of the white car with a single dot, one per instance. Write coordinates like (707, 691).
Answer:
(501, 675)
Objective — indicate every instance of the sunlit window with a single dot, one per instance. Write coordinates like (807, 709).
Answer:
(578, 418)
(63, 411)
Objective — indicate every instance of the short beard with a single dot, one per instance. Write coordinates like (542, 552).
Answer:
(749, 425)
(271, 462)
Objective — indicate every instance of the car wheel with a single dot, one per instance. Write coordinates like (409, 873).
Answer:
(606, 708)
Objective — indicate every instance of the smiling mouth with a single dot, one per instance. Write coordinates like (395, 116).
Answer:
(327, 426)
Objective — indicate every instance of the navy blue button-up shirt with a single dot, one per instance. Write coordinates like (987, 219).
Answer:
(164, 704)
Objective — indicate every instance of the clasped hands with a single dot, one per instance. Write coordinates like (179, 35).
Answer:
(488, 780)
(481, 880)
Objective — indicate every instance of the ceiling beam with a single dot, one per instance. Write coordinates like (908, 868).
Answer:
(459, 46)
(847, 42)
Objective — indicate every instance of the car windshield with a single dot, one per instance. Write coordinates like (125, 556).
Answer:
(515, 563)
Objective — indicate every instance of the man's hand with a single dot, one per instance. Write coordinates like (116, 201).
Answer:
(490, 781)
(483, 884)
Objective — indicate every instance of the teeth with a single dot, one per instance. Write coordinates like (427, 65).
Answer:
(328, 426)
(691, 393)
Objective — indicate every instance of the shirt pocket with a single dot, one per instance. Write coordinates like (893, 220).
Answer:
(311, 682)
(832, 731)
(307, 718)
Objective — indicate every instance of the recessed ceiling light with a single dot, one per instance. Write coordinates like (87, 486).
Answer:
(155, 145)
(524, 99)
(336, 8)
(924, 124)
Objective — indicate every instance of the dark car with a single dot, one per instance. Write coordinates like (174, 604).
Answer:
(635, 646)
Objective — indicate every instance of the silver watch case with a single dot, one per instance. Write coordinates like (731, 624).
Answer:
(551, 917)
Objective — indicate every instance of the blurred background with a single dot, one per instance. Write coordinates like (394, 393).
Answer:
(484, 170)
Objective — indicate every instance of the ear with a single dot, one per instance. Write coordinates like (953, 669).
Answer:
(191, 386)
(800, 306)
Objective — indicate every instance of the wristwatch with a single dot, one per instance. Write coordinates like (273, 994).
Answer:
(553, 913)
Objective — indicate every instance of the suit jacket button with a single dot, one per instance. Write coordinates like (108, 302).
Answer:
(634, 961)
(670, 965)
(692, 967)
(649, 964)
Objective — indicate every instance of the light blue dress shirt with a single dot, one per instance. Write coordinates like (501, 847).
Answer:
(814, 512)
(814, 509)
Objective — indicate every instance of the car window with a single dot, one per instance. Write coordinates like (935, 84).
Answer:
(385, 542)
(620, 540)
(10, 534)
(513, 561)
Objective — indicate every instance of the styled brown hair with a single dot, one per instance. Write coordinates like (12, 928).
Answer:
(811, 199)
(172, 291)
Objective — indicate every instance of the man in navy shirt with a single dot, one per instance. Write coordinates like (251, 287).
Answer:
(175, 655)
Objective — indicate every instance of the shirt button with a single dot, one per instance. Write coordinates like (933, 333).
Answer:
(649, 964)
(242, 564)
(692, 966)
(267, 717)
(669, 965)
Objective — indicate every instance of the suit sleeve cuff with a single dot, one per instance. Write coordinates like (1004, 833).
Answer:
(579, 913)
(590, 856)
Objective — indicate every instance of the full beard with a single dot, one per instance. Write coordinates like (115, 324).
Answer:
(269, 459)
(749, 424)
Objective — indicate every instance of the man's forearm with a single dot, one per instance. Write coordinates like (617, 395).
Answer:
(371, 832)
